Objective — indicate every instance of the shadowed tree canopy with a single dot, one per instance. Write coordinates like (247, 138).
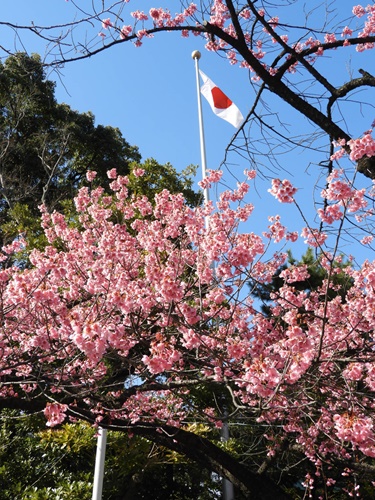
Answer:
(46, 148)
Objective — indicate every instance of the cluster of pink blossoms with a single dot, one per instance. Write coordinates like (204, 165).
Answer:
(55, 414)
(135, 281)
(345, 197)
(220, 16)
(314, 237)
(359, 430)
(213, 176)
(219, 13)
(160, 17)
(359, 11)
(283, 191)
(276, 231)
(364, 146)
(369, 27)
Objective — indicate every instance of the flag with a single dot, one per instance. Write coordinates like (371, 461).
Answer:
(220, 104)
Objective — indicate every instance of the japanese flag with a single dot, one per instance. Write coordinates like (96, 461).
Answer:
(220, 104)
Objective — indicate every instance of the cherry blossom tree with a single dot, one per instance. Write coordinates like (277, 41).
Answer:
(131, 317)
(125, 317)
(284, 59)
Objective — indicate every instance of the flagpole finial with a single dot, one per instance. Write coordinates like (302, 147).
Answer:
(196, 54)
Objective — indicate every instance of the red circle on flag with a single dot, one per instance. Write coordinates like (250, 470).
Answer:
(221, 101)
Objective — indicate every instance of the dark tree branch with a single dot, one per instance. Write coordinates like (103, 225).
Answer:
(208, 455)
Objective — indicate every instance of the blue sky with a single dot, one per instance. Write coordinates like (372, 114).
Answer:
(150, 94)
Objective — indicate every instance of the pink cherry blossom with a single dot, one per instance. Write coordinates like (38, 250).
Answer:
(331, 213)
(55, 414)
(163, 288)
(283, 191)
(112, 174)
(139, 15)
(106, 24)
(314, 237)
(364, 146)
(358, 11)
(330, 38)
(212, 177)
(139, 172)
(366, 240)
(90, 175)
(125, 32)
(276, 230)
(347, 31)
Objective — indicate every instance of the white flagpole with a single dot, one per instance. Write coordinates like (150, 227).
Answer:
(99, 464)
(228, 490)
(196, 55)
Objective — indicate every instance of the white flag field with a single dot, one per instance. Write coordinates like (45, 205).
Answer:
(220, 104)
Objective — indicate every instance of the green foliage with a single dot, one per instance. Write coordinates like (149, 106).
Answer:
(74, 490)
(158, 177)
(75, 439)
(37, 463)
